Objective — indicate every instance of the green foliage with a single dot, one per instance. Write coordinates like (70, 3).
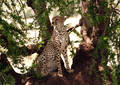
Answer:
(108, 46)
(13, 26)
(116, 75)
(11, 37)
(98, 14)
(7, 80)
(5, 77)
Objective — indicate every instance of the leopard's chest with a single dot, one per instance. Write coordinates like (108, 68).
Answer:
(61, 37)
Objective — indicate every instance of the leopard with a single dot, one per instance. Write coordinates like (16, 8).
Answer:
(56, 46)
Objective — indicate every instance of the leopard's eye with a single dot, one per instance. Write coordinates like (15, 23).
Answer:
(56, 20)
(53, 23)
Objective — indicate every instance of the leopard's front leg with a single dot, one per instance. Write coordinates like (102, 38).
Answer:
(59, 65)
(64, 52)
(44, 71)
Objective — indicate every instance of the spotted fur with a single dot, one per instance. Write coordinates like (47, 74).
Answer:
(56, 46)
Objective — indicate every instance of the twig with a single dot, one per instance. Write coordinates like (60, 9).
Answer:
(72, 28)
(2, 3)
(117, 4)
(23, 11)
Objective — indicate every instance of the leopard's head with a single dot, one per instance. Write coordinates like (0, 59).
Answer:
(58, 20)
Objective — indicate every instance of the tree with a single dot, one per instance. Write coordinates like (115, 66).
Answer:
(100, 31)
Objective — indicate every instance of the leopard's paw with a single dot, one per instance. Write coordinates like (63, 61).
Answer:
(60, 75)
(70, 70)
